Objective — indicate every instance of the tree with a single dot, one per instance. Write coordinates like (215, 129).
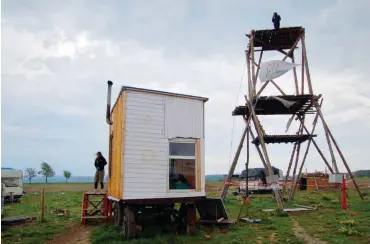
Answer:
(30, 173)
(67, 174)
(47, 171)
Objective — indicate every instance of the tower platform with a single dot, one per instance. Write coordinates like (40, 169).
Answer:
(269, 106)
(283, 139)
(271, 39)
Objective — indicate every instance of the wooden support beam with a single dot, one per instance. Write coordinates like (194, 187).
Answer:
(334, 162)
(305, 62)
(295, 77)
(302, 71)
(286, 56)
(271, 46)
(339, 151)
(251, 46)
(296, 160)
(264, 150)
(250, 84)
(274, 83)
(258, 150)
(258, 70)
(235, 161)
(290, 165)
(319, 151)
(306, 153)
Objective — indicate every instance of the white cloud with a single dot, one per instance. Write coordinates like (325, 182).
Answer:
(57, 76)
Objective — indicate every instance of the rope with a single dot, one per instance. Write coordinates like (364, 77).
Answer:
(237, 97)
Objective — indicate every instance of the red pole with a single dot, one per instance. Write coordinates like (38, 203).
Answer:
(344, 200)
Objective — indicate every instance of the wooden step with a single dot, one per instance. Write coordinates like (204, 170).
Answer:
(94, 217)
(97, 194)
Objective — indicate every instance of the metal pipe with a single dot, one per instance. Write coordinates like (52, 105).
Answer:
(110, 84)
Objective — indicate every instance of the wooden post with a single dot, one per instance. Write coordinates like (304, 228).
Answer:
(290, 165)
(258, 150)
(314, 178)
(264, 150)
(235, 161)
(296, 160)
(334, 162)
(295, 77)
(247, 166)
(319, 151)
(340, 152)
(252, 58)
(42, 204)
(306, 64)
(250, 88)
(286, 56)
(258, 70)
(302, 88)
(306, 153)
(277, 87)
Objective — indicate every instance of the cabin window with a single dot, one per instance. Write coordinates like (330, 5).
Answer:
(182, 160)
(10, 181)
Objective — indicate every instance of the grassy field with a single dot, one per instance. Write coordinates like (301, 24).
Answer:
(329, 224)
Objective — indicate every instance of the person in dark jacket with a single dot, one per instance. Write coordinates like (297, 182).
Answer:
(100, 163)
(276, 20)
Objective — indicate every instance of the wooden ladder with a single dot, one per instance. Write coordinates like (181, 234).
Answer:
(94, 206)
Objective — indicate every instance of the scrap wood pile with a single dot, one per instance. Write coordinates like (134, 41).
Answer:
(316, 174)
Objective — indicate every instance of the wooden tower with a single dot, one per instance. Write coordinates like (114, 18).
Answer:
(301, 106)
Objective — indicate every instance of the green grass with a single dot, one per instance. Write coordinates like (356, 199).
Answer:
(329, 223)
(37, 231)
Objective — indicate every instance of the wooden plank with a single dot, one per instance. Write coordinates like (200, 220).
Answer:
(122, 142)
(169, 94)
(146, 96)
(145, 100)
(199, 166)
(141, 105)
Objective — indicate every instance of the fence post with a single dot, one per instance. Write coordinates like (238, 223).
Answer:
(42, 204)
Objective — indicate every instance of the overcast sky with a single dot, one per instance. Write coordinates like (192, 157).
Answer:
(58, 55)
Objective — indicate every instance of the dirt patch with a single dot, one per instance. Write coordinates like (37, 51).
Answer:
(272, 237)
(77, 235)
(30, 188)
(303, 236)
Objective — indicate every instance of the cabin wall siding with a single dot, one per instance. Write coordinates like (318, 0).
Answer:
(184, 117)
(150, 121)
(115, 180)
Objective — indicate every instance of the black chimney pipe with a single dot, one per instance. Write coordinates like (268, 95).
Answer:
(110, 84)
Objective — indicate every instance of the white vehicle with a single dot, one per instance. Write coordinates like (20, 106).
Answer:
(257, 180)
(13, 181)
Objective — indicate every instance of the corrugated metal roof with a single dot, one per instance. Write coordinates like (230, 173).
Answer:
(162, 92)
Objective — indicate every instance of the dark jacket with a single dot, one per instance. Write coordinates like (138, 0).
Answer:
(100, 162)
(276, 19)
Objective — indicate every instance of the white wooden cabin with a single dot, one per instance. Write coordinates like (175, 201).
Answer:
(156, 136)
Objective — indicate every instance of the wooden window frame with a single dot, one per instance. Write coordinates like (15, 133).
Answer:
(195, 158)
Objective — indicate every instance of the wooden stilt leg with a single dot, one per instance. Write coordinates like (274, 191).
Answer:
(296, 161)
(290, 165)
(264, 150)
(295, 78)
(340, 153)
(235, 161)
(306, 153)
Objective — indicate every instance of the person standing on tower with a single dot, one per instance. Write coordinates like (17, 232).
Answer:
(276, 20)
